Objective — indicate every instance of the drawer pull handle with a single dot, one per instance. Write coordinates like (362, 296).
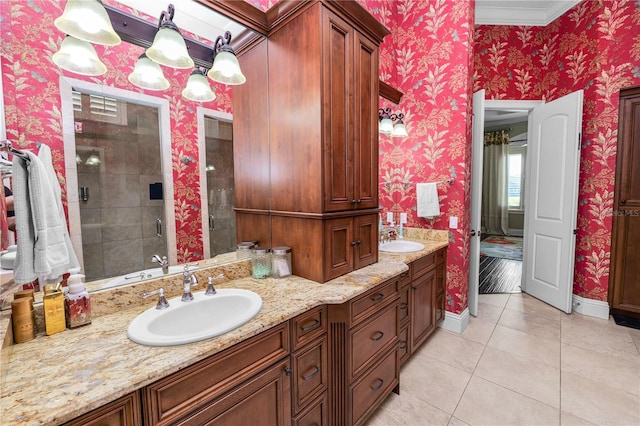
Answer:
(378, 297)
(378, 384)
(377, 336)
(315, 324)
(403, 306)
(405, 275)
(403, 345)
(312, 375)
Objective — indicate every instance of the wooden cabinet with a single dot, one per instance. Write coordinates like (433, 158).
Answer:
(322, 140)
(123, 411)
(210, 388)
(624, 285)
(363, 355)
(310, 367)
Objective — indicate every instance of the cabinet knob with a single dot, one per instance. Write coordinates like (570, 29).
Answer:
(353, 243)
(359, 201)
(358, 242)
(287, 371)
(353, 201)
(623, 201)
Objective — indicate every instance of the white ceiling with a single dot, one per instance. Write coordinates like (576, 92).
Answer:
(521, 12)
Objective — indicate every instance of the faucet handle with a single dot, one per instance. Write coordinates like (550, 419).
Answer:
(162, 301)
(210, 289)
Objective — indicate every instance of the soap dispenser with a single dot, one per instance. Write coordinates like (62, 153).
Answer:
(78, 303)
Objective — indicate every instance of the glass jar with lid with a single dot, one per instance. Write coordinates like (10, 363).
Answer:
(260, 263)
(281, 262)
(243, 250)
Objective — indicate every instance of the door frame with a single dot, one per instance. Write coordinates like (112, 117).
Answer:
(201, 113)
(492, 105)
(71, 171)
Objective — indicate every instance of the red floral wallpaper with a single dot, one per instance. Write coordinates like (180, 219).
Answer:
(32, 101)
(595, 47)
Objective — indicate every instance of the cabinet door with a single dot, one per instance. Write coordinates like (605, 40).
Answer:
(338, 255)
(338, 113)
(366, 240)
(422, 308)
(625, 291)
(365, 137)
(124, 411)
(263, 400)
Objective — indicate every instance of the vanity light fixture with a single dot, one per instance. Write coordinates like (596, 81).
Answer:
(386, 123)
(225, 69)
(87, 20)
(78, 56)
(198, 88)
(93, 159)
(168, 46)
(148, 75)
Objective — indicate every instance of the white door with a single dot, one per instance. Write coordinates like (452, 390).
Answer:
(476, 199)
(551, 200)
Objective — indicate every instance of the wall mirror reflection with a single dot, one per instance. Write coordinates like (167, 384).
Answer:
(40, 109)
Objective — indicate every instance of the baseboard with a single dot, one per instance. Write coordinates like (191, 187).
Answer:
(590, 307)
(455, 322)
(516, 232)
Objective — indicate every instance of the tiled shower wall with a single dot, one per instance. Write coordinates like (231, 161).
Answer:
(119, 218)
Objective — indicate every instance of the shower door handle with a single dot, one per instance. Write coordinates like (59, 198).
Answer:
(212, 226)
(158, 228)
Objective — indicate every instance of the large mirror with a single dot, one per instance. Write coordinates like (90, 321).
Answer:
(176, 191)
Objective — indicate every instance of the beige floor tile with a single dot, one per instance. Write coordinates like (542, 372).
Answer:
(433, 381)
(457, 422)
(529, 378)
(568, 419)
(596, 334)
(489, 313)
(635, 336)
(478, 330)
(532, 323)
(525, 303)
(618, 370)
(535, 348)
(485, 403)
(451, 349)
(407, 410)
(597, 403)
(499, 300)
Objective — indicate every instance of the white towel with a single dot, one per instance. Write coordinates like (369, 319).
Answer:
(427, 200)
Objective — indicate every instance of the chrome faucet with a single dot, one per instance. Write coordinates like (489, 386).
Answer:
(162, 301)
(164, 263)
(190, 280)
(210, 289)
(388, 234)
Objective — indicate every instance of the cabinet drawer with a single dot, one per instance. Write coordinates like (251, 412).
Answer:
(374, 387)
(372, 338)
(403, 345)
(403, 305)
(441, 255)
(309, 373)
(316, 414)
(308, 326)
(423, 265)
(197, 385)
(404, 278)
(371, 301)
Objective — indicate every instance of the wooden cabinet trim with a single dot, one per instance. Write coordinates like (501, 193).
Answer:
(124, 411)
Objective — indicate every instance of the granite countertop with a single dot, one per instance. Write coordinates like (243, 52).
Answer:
(56, 378)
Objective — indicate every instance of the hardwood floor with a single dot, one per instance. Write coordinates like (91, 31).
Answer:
(499, 275)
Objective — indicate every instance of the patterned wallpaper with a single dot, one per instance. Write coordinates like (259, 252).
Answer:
(32, 101)
(594, 47)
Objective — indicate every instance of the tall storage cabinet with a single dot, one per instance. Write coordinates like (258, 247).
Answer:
(323, 138)
(624, 286)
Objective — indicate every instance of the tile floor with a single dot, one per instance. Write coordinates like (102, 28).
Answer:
(521, 362)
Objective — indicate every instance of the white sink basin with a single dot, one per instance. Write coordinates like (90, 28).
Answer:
(401, 247)
(200, 319)
(147, 274)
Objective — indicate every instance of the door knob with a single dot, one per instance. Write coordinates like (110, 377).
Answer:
(473, 233)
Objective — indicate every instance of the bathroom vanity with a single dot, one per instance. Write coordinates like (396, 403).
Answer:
(316, 354)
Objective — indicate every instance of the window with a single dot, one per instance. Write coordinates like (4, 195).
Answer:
(99, 108)
(515, 184)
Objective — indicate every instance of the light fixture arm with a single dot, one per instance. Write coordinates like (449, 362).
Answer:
(222, 43)
(166, 18)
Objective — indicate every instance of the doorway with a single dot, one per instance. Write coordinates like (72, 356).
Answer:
(502, 212)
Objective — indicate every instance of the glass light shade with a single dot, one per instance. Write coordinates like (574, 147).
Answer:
(399, 131)
(93, 160)
(385, 126)
(198, 88)
(169, 49)
(148, 75)
(78, 56)
(226, 69)
(87, 20)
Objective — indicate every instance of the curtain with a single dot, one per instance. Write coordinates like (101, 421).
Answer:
(495, 201)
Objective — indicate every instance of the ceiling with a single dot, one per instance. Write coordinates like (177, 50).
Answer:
(521, 12)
